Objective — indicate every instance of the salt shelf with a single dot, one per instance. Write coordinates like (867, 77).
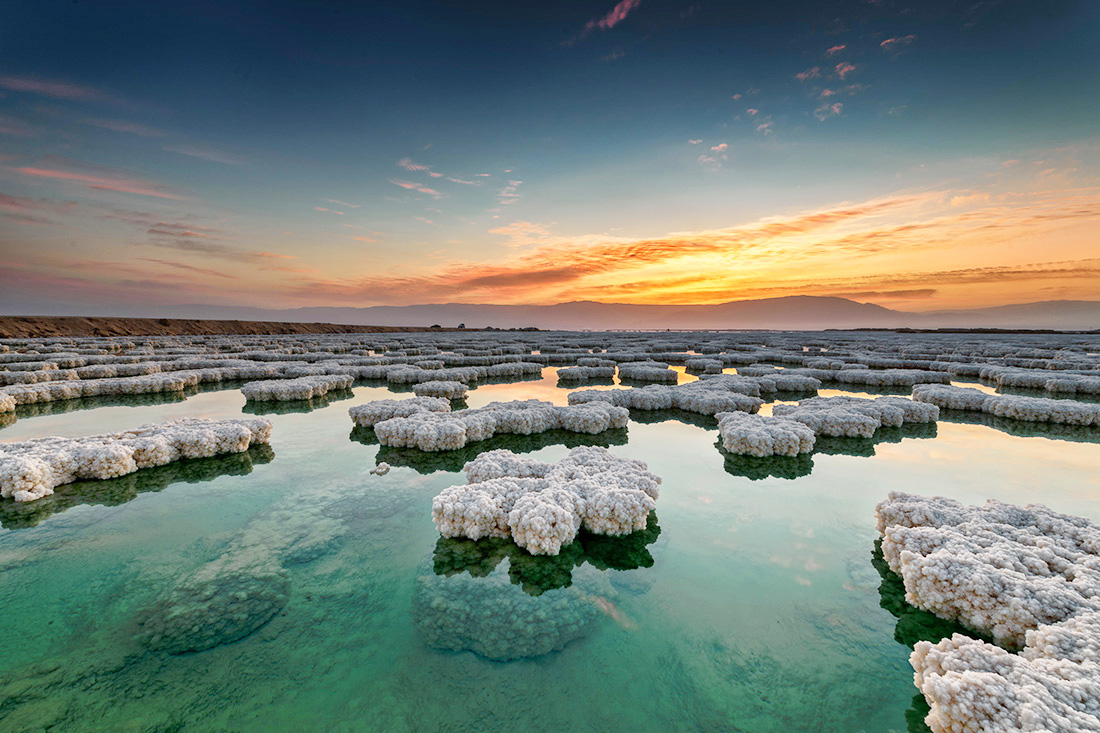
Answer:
(1029, 409)
(1028, 577)
(706, 397)
(855, 416)
(32, 469)
(542, 506)
(763, 435)
(302, 388)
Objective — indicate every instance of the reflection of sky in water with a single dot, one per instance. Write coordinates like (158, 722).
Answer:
(761, 610)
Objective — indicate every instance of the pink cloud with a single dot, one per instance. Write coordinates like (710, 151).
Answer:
(735, 97)
(104, 183)
(327, 211)
(752, 111)
(695, 142)
(200, 151)
(826, 111)
(409, 165)
(617, 15)
(808, 74)
(363, 239)
(892, 43)
(843, 69)
(832, 51)
(410, 186)
(55, 89)
(720, 148)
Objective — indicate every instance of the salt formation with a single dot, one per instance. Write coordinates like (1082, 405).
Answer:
(761, 435)
(580, 373)
(1028, 409)
(439, 388)
(7, 403)
(648, 372)
(381, 469)
(367, 415)
(707, 397)
(1052, 685)
(1028, 577)
(32, 469)
(542, 506)
(437, 430)
(855, 416)
(497, 620)
(302, 388)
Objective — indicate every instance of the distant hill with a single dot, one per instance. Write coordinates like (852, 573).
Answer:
(801, 312)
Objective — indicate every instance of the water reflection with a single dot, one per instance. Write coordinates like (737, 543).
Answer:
(286, 407)
(536, 574)
(454, 460)
(115, 491)
(1024, 428)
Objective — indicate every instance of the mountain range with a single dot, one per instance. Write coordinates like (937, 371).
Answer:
(799, 312)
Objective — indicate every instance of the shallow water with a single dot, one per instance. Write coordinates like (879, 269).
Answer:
(751, 603)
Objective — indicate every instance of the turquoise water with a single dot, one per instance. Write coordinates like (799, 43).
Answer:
(752, 602)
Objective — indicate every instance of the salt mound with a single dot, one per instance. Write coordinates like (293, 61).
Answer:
(706, 397)
(1027, 576)
(367, 415)
(302, 388)
(761, 435)
(442, 430)
(439, 388)
(855, 416)
(32, 469)
(542, 506)
(1029, 409)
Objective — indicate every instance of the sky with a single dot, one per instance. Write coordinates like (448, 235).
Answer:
(916, 154)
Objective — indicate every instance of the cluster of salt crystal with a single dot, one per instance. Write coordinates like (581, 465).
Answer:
(707, 397)
(648, 372)
(1053, 684)
(761, 435)
(856, 416)
(579, 373)
(370, 413)
(1030, 409)
(542, 506)
(442, 430)
(302, 388)
(441, 388)
(7, 403)
(1028, 577)
(32, 469)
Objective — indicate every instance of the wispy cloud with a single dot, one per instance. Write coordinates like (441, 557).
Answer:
(509, 193)
(55, 89)
(131, 128)
(343, 203)
(327, 211)
(695, 142)
(826, 111)
(834, 50)
(615, 16)
(892, 44)
(100, 179)
(210, 154)
(16, 127)
(843, 69)
(411, 186)
(808, 74)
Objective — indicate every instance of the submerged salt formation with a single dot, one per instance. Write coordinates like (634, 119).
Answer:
(302, 388)
(855, 416)
(438, 430)
(1026, 576)
(542, 506)
(32, 469)
(495, 619)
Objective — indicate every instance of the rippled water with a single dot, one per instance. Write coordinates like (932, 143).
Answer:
(752, 601)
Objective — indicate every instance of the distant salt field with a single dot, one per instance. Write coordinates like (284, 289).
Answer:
(547, 530)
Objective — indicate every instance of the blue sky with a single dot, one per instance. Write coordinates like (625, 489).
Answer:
(351, 154)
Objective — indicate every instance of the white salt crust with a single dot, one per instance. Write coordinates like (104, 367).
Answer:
(706, 396)
(439, 388)
(1030, 409)
(542, 506)
(856, 416)
(437, 430)
(302, 388)
(762, 435)
(32, 469)
(1026, 576)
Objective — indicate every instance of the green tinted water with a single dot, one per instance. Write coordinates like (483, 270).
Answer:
(752, 602)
